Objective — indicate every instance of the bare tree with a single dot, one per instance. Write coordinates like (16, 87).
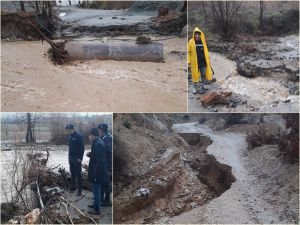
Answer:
(22, 6)
(30, 129)
(204, 10)
(261, 13)
(225, 15)
(37, 8)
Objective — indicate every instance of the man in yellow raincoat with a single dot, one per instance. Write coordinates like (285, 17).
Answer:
(198, 59)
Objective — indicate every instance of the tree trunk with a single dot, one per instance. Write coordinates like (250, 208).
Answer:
(49, 10)
(183, 9)
(22, 6)
(37, 9)
(29, 133)
(261, 16)
(204, 11)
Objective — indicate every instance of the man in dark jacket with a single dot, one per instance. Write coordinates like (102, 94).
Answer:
(107, 186)
(76, 151)
(97, 172)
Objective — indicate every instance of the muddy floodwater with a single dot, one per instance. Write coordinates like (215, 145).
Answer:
(58, 158)
(30, 82)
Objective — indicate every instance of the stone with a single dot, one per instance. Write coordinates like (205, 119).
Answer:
(213, 98)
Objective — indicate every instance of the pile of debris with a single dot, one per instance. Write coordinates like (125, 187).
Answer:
(261, 56)
(50, 195)
(172, 23)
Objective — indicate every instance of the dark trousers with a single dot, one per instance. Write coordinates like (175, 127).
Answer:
(97, 192)
(105, 192)
(202, 69)
(75, 169)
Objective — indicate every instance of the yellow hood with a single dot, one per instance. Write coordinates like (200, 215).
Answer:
(196, 30)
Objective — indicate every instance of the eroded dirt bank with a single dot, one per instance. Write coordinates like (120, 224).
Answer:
(160, 174)
(266, 188)
(30, 82)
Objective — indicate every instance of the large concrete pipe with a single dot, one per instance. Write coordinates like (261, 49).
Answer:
(115, 51)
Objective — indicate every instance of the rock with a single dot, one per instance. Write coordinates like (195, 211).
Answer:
(32, 217)
(143, 192)
(293, 70)
(13, 221)
(193, 205)
(213, 98)
(213, 110)
(216, 124)
(287, 101)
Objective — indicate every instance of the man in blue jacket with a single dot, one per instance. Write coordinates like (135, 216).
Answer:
(97, 172)
(76, 151)
(107, 186)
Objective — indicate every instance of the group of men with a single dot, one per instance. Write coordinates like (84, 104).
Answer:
(100, 164)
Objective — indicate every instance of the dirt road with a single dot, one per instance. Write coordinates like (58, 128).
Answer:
(251, 198)
(30, 82)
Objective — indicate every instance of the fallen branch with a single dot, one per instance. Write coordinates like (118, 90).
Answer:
(39, 194)
(57, 52)
(66, 206)
(78, 210)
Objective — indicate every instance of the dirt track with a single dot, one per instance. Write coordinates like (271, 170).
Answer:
(30, 82)
(261, 193)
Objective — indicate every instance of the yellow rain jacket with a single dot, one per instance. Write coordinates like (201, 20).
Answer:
(192, 58)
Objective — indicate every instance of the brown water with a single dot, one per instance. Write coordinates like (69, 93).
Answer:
(30, 82)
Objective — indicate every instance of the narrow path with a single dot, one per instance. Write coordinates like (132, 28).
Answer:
(242, 202)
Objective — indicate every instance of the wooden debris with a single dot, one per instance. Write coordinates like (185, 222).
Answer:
(170, 23)
(57, 52)
(163, 11)
(143, 40)
(215, 97)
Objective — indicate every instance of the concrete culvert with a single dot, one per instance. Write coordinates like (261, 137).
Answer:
(115, 51)
(196, 138)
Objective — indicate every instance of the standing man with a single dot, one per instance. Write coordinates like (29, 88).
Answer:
(97, 172)
(76, 151)
(107, 186)
(198, 59)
